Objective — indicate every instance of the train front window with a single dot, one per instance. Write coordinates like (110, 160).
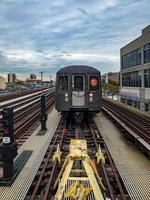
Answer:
(93, 83)
(63, 83)
(78, 83)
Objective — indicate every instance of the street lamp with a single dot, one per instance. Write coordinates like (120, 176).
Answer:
(50, 80)
(41, 81)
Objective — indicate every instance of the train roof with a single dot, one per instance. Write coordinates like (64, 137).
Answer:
(78, 69)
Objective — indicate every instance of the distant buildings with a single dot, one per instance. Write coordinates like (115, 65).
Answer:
(11, 78)
(135, 71)
(2, 83)
(30, 81)
(113, 76)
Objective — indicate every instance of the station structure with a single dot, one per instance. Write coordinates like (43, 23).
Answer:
(101, 156)
(128, 166)
(135, 72)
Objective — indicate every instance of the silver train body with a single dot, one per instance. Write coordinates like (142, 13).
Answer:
(78, 89)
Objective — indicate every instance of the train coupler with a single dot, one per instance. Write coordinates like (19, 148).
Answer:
(100, 156)
(77, 191)
(57, 154)
(78, 117)
(78, 178)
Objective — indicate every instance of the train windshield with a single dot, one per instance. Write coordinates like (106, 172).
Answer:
(63, 83)
(93, 83)
(78, 83)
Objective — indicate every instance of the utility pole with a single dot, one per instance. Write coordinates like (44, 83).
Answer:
(50, 81)
(41, 81)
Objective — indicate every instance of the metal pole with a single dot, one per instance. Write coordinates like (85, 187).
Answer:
(43, 117)
(50, 81)
(41, 82)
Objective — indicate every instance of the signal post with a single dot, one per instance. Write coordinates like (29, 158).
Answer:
(8, 149)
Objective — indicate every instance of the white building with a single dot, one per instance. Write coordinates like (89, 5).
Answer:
(113, 76)
(135, 71)
(2, 82)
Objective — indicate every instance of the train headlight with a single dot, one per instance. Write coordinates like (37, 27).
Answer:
(66, 96)
(91, 96)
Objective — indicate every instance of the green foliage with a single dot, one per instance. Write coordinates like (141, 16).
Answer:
(21, 83)
(114, 83)
(111, 87)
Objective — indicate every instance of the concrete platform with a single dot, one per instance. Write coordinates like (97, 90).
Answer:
(132, 165)
(38, 144)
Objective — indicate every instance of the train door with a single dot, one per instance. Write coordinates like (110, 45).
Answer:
(78, 90)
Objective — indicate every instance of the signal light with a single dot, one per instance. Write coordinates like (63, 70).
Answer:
(93, 82)
(6, 140)
(66, 99)
(91, 99)
(91, 96)
(66, 96)
(5, 131)
(7, 121)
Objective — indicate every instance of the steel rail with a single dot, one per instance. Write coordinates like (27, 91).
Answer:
(140, 128)
(42, 186)
(91, 124)
(61, 127)
(28, 120)
(9, 96)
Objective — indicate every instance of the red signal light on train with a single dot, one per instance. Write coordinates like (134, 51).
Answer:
(93, 82)
(5, 131)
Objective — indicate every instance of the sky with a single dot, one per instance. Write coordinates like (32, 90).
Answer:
(46, 35)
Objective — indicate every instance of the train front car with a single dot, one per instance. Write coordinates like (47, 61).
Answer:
(78, 89)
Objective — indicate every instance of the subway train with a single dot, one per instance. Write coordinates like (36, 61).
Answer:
(78, 89)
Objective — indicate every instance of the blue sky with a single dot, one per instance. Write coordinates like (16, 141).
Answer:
(45, 35)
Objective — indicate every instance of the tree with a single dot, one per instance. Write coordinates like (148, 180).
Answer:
(111, 87)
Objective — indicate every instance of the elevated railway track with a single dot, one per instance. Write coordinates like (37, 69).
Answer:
(27, 114)
(135, 126)
(44, 184)
(17, 102)
(47, 184)
(12, 95)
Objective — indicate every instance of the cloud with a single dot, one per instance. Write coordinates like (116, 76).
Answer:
(44, 35)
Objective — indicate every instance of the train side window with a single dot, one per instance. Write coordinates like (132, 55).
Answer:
(78, 83)
(63, 83)
(93, 83)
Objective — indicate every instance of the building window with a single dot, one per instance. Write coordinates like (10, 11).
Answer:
(147, 78)
(147, 53)
(63, 83)
(131, 59)
(132, 79)
(78, 83)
